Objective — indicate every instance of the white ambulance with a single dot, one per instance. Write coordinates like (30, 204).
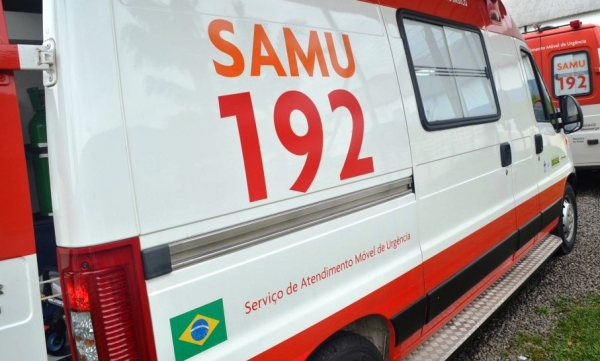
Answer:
(275, 180)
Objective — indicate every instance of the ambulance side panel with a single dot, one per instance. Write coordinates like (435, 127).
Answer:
(199, 164)
(248, 127)
(186, 142)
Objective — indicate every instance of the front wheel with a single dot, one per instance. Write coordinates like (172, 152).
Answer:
(346, 346)
(567, 223)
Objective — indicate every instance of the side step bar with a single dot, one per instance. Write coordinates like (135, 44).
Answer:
(446, 341)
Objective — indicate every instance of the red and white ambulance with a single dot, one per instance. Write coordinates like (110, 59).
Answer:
(569, 60)
(279, 179)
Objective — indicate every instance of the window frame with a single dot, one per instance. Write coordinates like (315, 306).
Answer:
(403, 14)
(589, 68)
(551, 118)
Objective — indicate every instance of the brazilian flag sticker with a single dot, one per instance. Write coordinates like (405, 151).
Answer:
(198, 330)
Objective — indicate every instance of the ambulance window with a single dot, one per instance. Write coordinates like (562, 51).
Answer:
(571, 74)
(540, 100)
(450, 72)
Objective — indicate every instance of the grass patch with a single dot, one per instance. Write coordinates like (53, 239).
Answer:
(575, 338)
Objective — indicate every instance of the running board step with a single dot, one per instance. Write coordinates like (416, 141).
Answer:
(446, 341)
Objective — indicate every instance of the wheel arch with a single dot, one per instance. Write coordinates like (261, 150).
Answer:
(375, 328)
(572, 180)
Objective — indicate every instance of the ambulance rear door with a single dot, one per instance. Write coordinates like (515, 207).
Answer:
(21, 326)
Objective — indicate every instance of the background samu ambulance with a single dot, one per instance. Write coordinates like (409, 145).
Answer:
(568, 57)
(279, 180)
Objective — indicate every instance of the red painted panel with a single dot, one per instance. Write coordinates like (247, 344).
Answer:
(386, 301)
(527, 210)
(441, 267)
(446, 263)
(9, 57)
(495, 10)
(470, 14)
(488, 14)
(547, 44)
(16, 227)
(552, 194)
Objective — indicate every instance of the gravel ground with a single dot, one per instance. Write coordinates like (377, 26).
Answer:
(572, 277)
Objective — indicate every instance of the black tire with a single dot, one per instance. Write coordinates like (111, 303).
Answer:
(567, 222)
(55, 342)
(346, 346)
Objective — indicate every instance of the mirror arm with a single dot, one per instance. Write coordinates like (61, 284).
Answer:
(559, 124)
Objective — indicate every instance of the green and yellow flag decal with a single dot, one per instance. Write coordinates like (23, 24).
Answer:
(198, 330)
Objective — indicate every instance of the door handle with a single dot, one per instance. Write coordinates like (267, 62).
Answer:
(539, 144)
(505, 154)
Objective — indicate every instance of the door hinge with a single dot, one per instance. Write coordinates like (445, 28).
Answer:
(48, 57)
(38, 57)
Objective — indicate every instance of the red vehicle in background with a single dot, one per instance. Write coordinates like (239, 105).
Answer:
(568, 58)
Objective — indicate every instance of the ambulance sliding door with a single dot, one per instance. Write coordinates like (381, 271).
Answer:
(461, 154)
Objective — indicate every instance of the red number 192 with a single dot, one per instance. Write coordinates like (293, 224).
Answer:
(571, 82)
(310, 144)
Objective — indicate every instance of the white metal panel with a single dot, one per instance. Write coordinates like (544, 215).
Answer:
(267, 268)
(21, 324)
(555, 148)
(585, 154)
(459, 182)
(511, 90)
(460, 195)
(555, 162)
(343, 14)
(89, 166)
(187, 159)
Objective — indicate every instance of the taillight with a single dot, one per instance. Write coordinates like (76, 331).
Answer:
(106, 303)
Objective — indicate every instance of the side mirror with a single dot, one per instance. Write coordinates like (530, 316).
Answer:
(571, 114)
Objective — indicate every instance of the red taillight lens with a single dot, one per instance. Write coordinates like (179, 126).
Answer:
(77, 290)
(106, 302)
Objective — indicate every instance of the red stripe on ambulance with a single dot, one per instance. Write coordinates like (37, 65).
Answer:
(443, 266)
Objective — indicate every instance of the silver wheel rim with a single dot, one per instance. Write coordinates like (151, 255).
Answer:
(568, 220)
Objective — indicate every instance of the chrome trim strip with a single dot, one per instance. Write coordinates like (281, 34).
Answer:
(200, 248)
